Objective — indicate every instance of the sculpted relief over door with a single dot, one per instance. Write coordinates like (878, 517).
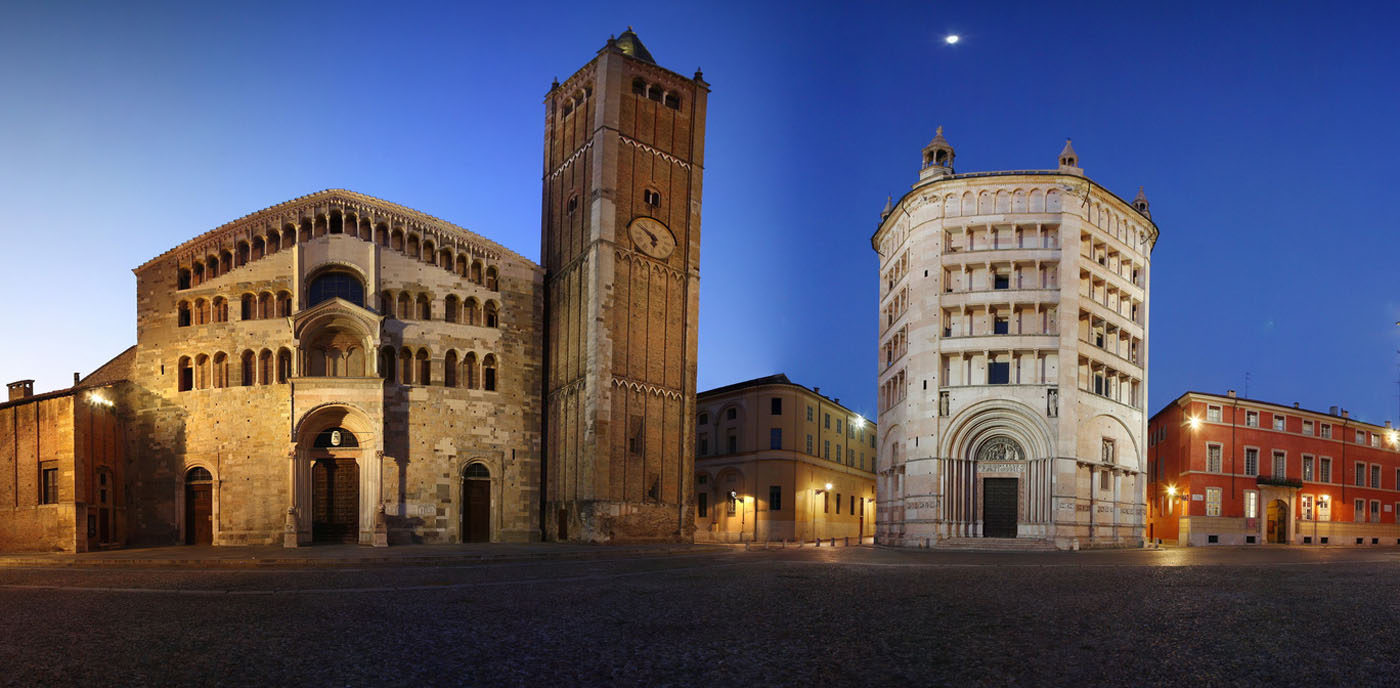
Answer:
(1000, 449)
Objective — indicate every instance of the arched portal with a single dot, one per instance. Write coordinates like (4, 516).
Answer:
(476, 503)
(335, 475)
(199, 507)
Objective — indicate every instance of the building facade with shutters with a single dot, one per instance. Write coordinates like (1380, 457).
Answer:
(1013, 358)
(341, 368)
(778, 461)
(1233, 471)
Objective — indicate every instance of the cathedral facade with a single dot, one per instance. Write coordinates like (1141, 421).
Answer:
(340, 368)
(1013, 359)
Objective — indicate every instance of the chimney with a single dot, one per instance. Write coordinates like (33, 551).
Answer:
(22, 389)
(837, 400)
(1230, 394)
(817, 390)
(76, 377)
(1295, 404)
(1387, 425)
(1345, 413)
(1332, 410)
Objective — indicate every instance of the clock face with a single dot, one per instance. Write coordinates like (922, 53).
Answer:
(652, 237)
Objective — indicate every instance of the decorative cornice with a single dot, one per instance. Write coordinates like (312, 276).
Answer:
(560, 170)
(665, 156)
(636, 386)
(572, 387)
(253, 224)
(656, 266)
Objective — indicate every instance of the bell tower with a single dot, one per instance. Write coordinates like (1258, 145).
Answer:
(624, 152)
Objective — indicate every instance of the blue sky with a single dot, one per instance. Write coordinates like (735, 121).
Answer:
(1264, 134)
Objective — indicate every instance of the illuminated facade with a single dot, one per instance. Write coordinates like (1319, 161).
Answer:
(1232, 471)
(778, 461)
(1013, 358)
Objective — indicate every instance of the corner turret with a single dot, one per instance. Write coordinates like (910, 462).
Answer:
(1069, 160)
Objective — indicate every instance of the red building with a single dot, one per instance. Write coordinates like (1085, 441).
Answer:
(1232, 471)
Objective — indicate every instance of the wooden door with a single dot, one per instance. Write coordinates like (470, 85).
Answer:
(476, 510)
(335, 500)
(199, 514)
(999, 502)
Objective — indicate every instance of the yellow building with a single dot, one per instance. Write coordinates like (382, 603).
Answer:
(777, 461)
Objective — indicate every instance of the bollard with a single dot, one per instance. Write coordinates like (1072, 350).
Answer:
(848, 541)
(819, 542)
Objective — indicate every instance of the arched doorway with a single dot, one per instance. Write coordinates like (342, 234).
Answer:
(1278, 522)
(335, 486)
(476, 504)
(199, 507)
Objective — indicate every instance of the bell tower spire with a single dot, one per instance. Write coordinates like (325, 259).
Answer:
(938, 158)
(1069, 160)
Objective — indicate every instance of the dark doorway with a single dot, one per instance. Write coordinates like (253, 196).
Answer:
(999, 507)
(476, 504)
(335, 500)
(1278, 522)
(563, 532)
(199, 507)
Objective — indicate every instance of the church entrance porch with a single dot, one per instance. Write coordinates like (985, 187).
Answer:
(999, 507)
(335, 497)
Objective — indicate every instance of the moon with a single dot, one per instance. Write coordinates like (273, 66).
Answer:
(952, 39)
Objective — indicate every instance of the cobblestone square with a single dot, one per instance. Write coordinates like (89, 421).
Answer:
(857, 616)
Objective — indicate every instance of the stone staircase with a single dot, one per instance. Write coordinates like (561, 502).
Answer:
(995, 545)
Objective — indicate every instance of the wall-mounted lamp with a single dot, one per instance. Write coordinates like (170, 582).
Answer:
(98, 400)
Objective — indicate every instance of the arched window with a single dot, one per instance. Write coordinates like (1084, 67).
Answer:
(445, 260)
(396, 240)
(265, 367)
(264, 305)
(259, 248)
(406, 366)
(248, 311)
(284, 304)
(201, 312)
(471, 313)
(244, 252)
(425, 307)
(461, 269)
(386, 364)
(405, 306)
(220, 370)
(651, 197)
(197, 273)
(289, 235)
(337, 223)
(449, 368)
(304, 232)
(639, 86)
(386, 304)
(183, 314)
(429, 252)
(198, 475)
(220, 309)
(488, 372)
(182, 280)
(331, 285)
(411, 248)
(450, 312)
(225, 262)
(381, 235)
(185, 380)
(284, 366)
(490, 314)
(249, 371)
(477, 470)
(211, 268)
(201, 371)
(469, 370)
(491, 278)
(319, 226)
(475, 275)
(425, 368)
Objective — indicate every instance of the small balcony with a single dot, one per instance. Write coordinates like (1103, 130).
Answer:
(1279, 481)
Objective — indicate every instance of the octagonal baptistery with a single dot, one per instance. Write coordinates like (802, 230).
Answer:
(333, 366)
(1013, 359)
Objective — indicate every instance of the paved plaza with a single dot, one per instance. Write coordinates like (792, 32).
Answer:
(536, 615)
